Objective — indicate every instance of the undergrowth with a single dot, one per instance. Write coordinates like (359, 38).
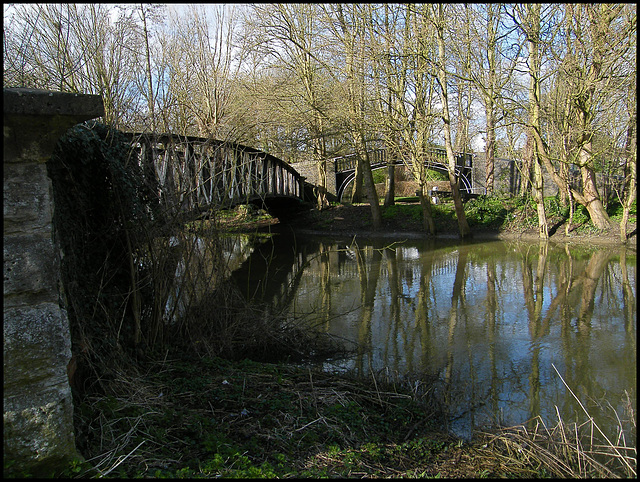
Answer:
(210, 417)
(188, 416)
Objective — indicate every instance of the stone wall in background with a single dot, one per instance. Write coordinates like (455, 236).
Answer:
(38, 409)
(309, 169)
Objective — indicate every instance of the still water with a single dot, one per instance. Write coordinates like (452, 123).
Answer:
(487, 322)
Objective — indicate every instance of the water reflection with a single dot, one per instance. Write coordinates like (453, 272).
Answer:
(195, 266)
(487, 320)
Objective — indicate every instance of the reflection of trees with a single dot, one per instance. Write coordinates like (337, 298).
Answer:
(272, 273)
(534, 300)
(456, 296)
(628, 298)
(551, 290)
(192, 271)
(394, 325)
(589, 280)
(368, 283)
(577, 342)
(325, 285)
(491, 309)
(422, 309)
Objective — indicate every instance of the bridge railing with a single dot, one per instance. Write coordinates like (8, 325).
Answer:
(195, 174)
(435, 158)
(380, 156)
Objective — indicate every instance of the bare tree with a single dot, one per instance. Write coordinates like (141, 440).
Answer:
(629, 98)
(148, 14)
(90, 49)
(405, 96)
(384, 29)
(530, 23)
(591, 62)
(439, 24)
(198, 62)
(350, 34)
(490, 73)
(631, 152)
(290, 33)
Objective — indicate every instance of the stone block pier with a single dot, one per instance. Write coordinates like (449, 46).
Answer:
(38, 408)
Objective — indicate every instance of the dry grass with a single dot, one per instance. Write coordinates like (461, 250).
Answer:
(213, 417)
(148, 423)
(567, 450)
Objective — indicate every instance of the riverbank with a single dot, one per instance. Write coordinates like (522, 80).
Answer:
(209, 417)
(202, 417)
(403, 220)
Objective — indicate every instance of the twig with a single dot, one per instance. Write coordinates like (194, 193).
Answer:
(122, 459)
(310, 423)
(594, 423)
(376, 385)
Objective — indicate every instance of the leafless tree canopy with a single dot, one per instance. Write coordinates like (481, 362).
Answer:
(553, 85)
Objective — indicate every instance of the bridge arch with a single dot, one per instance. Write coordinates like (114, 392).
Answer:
(192, 174)
(345, 168)
(465, 182)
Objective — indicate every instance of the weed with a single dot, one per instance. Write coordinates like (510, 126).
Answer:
(615, 210)
(486, 211)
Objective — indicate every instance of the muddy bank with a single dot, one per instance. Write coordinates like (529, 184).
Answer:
(355, 220)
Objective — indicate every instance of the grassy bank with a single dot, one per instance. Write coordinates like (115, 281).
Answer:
(210, 417)
(504, 215)
(493, 216)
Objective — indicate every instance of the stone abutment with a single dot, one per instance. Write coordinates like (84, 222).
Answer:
(38, 409)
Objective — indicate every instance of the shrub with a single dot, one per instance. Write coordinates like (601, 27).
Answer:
(486, 210)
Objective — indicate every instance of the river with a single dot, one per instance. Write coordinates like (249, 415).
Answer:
(504, 331)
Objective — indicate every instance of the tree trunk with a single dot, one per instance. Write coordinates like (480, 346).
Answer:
(490, 147)
(590, 197)
(322, 201)
(390, 186)
(150, 96)
(370, 187)
(463, 225)
(526, 172)
(356, 189)
(427, 216)
(537, 189)
(631, 196)
(591, 200)
(630, 177)
(489, 96)
(533, 38)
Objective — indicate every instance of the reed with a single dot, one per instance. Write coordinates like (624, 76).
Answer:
(576, 449)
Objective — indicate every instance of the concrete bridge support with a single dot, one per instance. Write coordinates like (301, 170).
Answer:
(38, 409)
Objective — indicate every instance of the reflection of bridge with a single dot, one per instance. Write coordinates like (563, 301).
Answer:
(272, 275)
(193, 174)
(435, 159)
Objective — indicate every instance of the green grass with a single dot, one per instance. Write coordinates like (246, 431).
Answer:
(502, 213)
(486, 213)
(209, 417)
(615, 209)
(194, 417)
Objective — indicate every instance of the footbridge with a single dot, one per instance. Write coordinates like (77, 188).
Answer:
(193, 175)
(435, 159)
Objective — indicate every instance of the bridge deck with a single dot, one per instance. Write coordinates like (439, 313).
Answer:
(435, 159)
(196, 174)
